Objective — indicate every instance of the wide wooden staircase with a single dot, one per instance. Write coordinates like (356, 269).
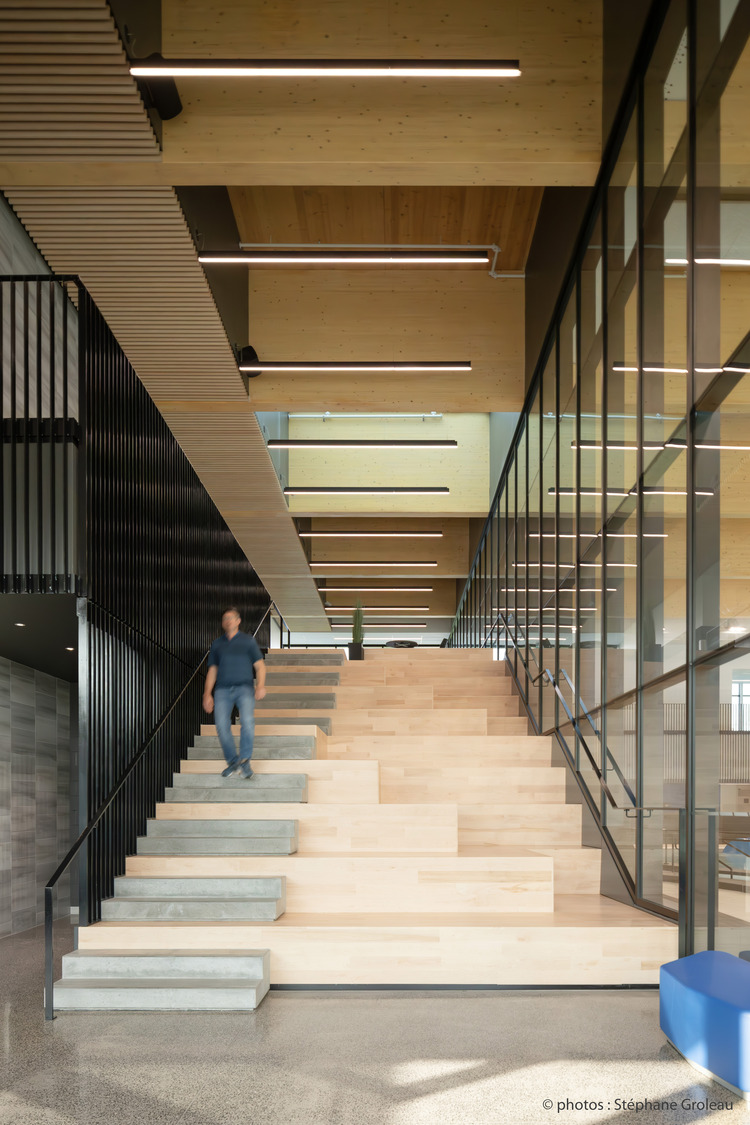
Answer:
(402, 829)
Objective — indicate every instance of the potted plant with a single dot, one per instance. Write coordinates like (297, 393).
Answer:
(356, 648)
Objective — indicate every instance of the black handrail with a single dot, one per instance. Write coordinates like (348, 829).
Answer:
(49, 1013)
(576, 726)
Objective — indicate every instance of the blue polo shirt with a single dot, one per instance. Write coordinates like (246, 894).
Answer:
(234, 659)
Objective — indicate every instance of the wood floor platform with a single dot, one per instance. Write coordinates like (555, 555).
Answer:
(585, 940)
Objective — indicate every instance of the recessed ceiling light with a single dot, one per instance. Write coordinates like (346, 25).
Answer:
(21, 624)
(70, 648)
(157, 67)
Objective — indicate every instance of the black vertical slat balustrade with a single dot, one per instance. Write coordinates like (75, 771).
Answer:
(126, 525)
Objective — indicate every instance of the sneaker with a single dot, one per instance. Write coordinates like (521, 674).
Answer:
(230, 771)
(245, 770)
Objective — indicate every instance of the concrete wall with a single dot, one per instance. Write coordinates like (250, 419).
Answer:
(35, 791)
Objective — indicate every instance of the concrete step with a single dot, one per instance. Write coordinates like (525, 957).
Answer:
(219, 837)
(257, 781)
(216, 845)
(186, 886)
(282, 678)
(248, 792)
(185, 899)
(155, 995)
(266, 747)
(201, 909)
(261, 787)
(297, 701)
(249, 964)
(254, 829)
(277, 659)
(322, 721)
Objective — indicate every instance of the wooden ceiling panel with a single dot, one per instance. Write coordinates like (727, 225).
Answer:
(545, 124)
(392, 216)
(65, 90)
(348, 314)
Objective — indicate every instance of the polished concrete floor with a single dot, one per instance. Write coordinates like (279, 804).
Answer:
(447, 1058)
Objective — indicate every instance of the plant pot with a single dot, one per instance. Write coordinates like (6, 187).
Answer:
(356, 651)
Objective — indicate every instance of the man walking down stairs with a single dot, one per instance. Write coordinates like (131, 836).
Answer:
(405, 830)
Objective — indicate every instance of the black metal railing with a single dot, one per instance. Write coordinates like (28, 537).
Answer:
(99, 500)
(123, 813)
(41, 434)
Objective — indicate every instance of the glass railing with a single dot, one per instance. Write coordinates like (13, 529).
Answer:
(612, 571)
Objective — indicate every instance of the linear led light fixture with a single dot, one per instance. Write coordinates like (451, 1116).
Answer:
(681, 371)
(569, 491)
(737, 262)
(597, 535)
(370, 534)
(379, 608)
(315, 257)
(319, 490)
(365, 443)
(352, 563)
(157, 67)
(381, 625)
(740, 263)
(559, 590)
(374, 589)
(716, 445)
(618, 446)
(571, 565)
(263, 367)
(327, 416)
(652, 369)
(532, 609)
(649, 490)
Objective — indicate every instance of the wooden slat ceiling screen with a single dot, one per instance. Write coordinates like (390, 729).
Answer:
(133, 251)
(65, 90)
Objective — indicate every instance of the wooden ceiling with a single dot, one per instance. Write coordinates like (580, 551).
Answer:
(541, 129)
(480, 216)
(310, 162)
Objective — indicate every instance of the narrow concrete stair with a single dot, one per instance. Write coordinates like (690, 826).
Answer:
(309, 658)
(219, 837)
(185, 899)
(266, 747)
(297, 701)
(261, 788)
(322, 721)
(170, 980)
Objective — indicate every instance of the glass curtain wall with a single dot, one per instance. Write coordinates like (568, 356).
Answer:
(614, 572)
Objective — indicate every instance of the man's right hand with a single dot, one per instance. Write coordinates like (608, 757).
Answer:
(208, 703)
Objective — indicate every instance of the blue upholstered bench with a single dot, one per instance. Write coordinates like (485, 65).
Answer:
(704, 1010)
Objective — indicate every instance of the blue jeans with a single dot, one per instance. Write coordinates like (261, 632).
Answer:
(224, 700)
